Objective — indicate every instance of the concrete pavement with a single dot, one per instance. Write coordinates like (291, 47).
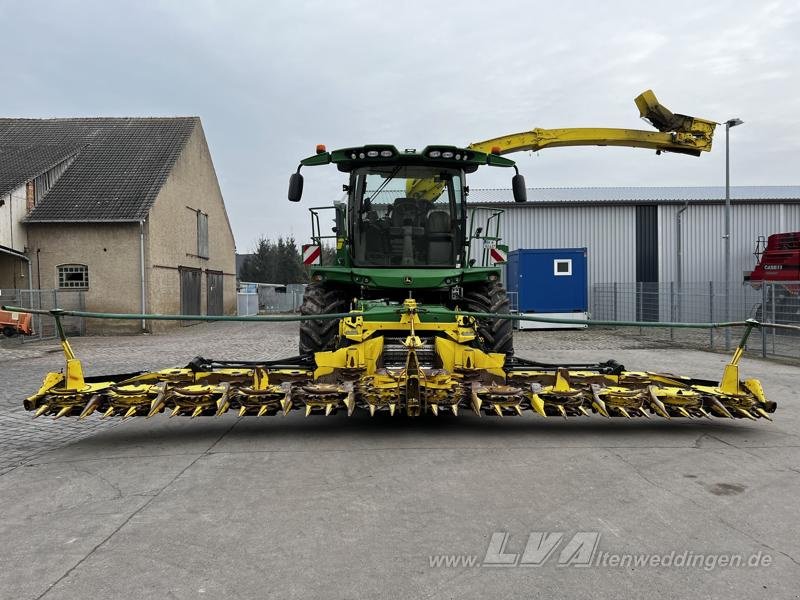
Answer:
(361, 508)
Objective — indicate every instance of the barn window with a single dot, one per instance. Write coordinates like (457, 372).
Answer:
(202, 234)
(73, 276)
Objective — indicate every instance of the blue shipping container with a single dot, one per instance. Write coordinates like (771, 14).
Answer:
(549, 281)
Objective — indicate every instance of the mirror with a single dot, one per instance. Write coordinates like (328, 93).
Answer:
(518, 187)
(295, 187)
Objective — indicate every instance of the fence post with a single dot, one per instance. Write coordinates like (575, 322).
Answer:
(82, 304)
(763, 318)
(55, 303)
(639, 304)
(39, 317)
(672, 309)
(774, 317)
(616, 318)
(711, 312)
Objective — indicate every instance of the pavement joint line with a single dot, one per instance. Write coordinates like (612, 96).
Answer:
(745, 449)
(103, 458)
(133, 514)
(727, 443)
(753, 538)
(661, 488)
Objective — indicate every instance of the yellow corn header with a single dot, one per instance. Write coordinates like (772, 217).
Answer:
(413, 378)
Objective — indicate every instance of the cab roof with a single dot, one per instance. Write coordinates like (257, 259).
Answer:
(347, 159)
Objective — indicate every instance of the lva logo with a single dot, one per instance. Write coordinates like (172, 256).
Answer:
(575, 551)
(555, 548)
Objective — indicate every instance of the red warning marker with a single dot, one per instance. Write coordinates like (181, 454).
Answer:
(311, 254)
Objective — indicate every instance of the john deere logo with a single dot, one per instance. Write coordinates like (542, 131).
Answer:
(407, 280)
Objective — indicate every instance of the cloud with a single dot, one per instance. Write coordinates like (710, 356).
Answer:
(271, 80)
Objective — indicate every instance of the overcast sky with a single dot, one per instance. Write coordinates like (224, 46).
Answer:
(271, 79)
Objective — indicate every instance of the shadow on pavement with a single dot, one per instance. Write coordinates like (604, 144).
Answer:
(336, 427)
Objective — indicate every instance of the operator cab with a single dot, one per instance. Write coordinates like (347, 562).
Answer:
(407, 216)
(404, 209)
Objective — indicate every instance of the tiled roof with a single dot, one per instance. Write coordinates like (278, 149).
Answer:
(640, 195)
(19, 164)
(119, 167)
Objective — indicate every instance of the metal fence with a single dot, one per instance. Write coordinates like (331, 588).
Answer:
(269, 297)
(44, 326)
(513, 302)
(706, 302)
(280, 302)
(246, 304)
(772, 302)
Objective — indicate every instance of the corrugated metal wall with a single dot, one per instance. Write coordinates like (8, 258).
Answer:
(609, 234)
(607, 231)
(703, 246)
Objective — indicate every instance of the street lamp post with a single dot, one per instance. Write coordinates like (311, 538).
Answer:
(728, 124)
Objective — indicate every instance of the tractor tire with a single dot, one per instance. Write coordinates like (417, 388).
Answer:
(9, 332)
(321, 299)
(490, 297)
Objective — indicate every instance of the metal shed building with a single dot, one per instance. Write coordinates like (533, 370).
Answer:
(632, 233)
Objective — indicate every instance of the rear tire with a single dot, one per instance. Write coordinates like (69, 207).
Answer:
(491, 297)
(321, 299)
(9, 331)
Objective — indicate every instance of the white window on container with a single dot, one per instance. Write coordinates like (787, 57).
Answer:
(562, 267)
(73, 276)
(202, 234)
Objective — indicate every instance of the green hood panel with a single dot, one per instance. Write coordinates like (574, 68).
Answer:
(404, 277)
(376, 311)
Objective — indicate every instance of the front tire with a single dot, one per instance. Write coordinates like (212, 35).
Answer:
(491, 297)
(321, 299)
